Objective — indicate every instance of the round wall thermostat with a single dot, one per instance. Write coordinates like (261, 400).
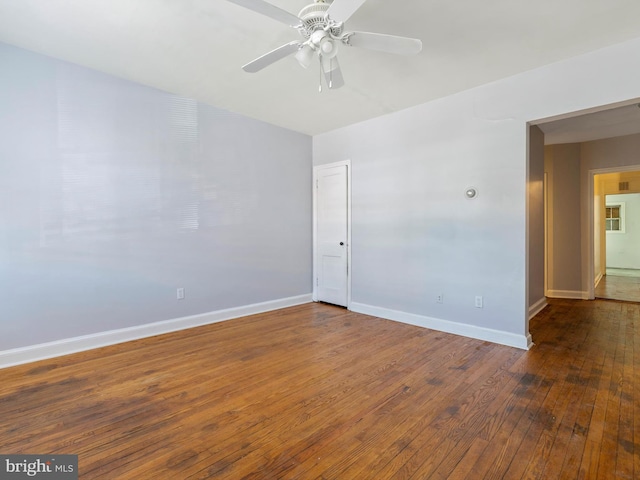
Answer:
(471, 192)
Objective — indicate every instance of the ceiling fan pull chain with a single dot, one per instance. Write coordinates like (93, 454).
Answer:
(331, 73)
(320, 84)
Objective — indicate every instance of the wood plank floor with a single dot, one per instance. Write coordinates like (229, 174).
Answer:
(615, 287)
(317, 392)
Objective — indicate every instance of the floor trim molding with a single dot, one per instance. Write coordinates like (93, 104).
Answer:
(43, 351)
(496, 336)
(572, 294)
(537, 307)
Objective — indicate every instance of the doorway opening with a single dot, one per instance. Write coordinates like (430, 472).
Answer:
(619, 230)
(577, 147)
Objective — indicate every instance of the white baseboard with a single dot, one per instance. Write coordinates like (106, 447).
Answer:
(537, 307)
(466, 330)
(32, 353)
(572, 294)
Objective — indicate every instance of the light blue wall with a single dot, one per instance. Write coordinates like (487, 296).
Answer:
(415, 235)
(113, 194)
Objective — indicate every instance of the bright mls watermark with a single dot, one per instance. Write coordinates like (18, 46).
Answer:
(50, 467)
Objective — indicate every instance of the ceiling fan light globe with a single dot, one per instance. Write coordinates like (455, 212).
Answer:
(328, 48)
(305, 56)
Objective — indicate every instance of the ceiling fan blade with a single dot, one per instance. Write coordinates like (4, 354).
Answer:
(271, 57)
(265, 8)
(385, 43)
(332, 72)
(341, 10)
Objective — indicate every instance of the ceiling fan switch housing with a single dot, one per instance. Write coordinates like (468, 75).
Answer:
(314, 18)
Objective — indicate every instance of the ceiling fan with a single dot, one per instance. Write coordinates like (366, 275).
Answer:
(321, 25)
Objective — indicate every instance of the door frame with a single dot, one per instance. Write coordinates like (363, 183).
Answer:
(314, 185)
(591, 173)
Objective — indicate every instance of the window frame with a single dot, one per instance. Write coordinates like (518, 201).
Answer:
(621, 207)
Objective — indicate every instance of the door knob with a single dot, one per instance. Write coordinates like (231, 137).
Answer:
(341, 243)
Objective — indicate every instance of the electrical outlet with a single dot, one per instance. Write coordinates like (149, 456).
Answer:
(439, 298)
(478, 301)
(180, 293)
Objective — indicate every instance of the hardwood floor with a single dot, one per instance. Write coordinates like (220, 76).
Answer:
(317, 392)
(619, 287)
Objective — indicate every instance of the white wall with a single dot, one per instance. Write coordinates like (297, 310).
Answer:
(415, 235)
(113, 194)
(623, 248)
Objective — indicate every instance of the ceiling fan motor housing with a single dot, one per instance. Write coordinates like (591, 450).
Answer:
(314, 18)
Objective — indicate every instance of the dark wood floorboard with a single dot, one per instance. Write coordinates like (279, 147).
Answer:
(317, 392)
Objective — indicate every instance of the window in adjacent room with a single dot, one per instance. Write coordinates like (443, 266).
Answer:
(614, 221)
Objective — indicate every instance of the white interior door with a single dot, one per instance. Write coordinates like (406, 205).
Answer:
(332, 234)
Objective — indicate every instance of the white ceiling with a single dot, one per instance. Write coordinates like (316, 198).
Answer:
(195, 48)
